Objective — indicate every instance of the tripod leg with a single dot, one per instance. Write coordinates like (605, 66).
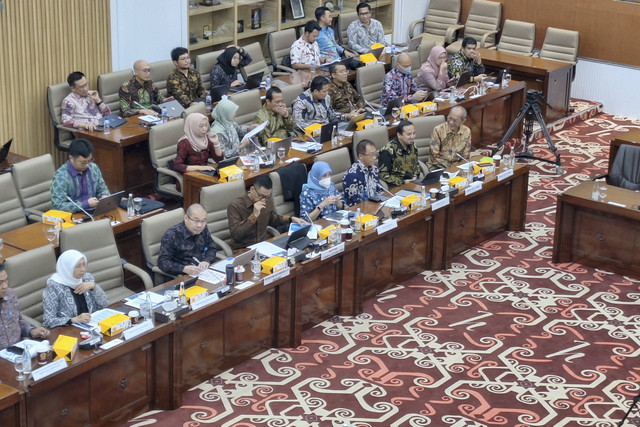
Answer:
(545, 131)
(512, 128)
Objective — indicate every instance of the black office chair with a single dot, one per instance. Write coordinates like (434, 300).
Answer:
(625, 171)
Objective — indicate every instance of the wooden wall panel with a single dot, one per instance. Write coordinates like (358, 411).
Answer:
(42, 42)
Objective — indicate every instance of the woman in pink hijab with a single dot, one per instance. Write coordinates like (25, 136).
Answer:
(197, 146)
(433, 73)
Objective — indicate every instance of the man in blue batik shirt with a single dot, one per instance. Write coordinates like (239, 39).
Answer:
(362, 180)
(329, 47)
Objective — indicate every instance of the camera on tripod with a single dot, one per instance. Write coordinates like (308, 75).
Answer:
(535, 96)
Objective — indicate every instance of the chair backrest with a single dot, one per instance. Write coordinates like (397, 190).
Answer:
(517, 37)
(55, 94)
(257, 64)
(484, 16)
(279, 43)
(28, 273)
(248, 105)
(163, 146)
(441, 15)
(215, 199)
(198, 107)
(415, 62)
(290, 93)
(378, 135)
(369, 82)
(204, 64)
(625, 171)
(153, 228)
(425, 49)
(340, 162)
(560, 45)
(424, 127)
(344, 19)
(11, 213)
(280, 206)
(32, 178)
(109, 86)
(97, 242)
(159, 72)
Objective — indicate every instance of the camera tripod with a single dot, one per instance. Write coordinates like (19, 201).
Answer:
(530, 111)
(633, 405)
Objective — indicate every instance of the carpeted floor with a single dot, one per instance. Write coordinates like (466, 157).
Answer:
(503, 338)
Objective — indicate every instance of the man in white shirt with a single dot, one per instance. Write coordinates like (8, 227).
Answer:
(305, 52)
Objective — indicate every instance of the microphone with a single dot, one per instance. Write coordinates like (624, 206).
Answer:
(313, 226)
(312, 138)
(81, 208)
(266, 158)
(468, 162)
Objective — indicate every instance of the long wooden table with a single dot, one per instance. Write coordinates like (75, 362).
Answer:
(553, 78)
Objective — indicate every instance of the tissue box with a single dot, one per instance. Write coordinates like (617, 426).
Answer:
(115, 324)
(458, 182)
(53, 216)
(426, 107)
(313, 130)
(231, 173)
(364, 124)
(273, 265)
(368, 222)
(324, 233)
(484, 167)
(195, 293)
(65, 347)
(410, 201)
(409, 111)
(377, 46)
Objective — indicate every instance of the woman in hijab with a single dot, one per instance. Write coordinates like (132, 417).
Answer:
(226, 70)
(229, 132)
(71, 294)
(433, 73)
(319, 197)
(197, 146)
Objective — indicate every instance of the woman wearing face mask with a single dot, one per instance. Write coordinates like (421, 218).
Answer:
(433, 73)
(319, 196)
(225, 72)
(399, 83)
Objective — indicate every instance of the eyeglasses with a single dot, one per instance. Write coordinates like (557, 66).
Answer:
(454, 120)
(262, 196)
(83, 163)
(197, 221)
(185, 58)
(145, 70)
(4, 282)
(364, 13)
(374, 154)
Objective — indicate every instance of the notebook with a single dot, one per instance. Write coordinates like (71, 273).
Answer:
(298, 239)
(108, 204)
(242, 259)
(4, 151)
(431, 178)
(253, 81)
(114, 120)
(174, 108)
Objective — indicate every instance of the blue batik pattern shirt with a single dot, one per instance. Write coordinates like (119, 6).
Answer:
(360, 183)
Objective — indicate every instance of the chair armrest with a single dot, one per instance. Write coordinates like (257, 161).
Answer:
(32, 217)
(449, 35)
(33, 322)
(272, 231)
(223, 246)
(375, 104)
(146, 279)
(595, 178)
(67, 128)
(423, 168)
(413, 25)
(165, 276)
(282, 67)
(279, 73)
(171, 172)
(485, 36)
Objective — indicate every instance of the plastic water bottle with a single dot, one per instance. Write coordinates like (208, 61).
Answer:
(423, 198)
(27, 361)
(131, 212)
(393, 49)
(165, 115)
(107, 127)
(334, 136)
(313, 65)
(182, 295)
(145, 307)
(207, 101)
(267, 83)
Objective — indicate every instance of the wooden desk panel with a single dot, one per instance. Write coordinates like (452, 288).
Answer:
(11, 407)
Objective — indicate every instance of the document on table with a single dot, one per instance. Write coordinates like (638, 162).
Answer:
(304, 146)
(212, 276)
(135, 300)
(267, 249)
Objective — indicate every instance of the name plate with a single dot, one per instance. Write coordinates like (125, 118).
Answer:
(331, 251)
(111, 344)
(617, 204)
(476, 186)
(276, 276)
(140, 329)
(209, 299)
(49, 369)
(245, 284)
(387, 225)
(504, 175)
(440, 204)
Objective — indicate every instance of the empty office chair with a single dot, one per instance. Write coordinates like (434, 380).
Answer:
(11, 213)
(340, 163)
(290, 93)
(215, 199)
(32, 178)
(279, 43)
(378, 135)
(415, 62)
(482, 24)
(151, 230)
(97, 242)
(159, 72)
(257, 64)
(28, 273)
(437, 25)
(344, 19)
(198, 107)
(560, 45)
(424, 127)
(204, 64)
(369, 83)
(163, 146)
(109, 86)
(248, 103)
(280, 206)
(62, 135)
(517, 37)
(625, 170)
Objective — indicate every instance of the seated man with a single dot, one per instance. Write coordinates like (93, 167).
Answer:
(398, 160)
(187, 247)
(140, 91)
(82, 108)
(249, 215)
(399, 83)
(184, 83)
(344, 97)
(467, 59)
(314, 105)
(449, 138)
(274, 109)
(365, 32)
(79, 178)
(14, 326)
(305, 52)
(362, 180)
(329, 47)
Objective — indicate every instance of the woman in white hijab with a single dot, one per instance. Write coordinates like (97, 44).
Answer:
(71, 294)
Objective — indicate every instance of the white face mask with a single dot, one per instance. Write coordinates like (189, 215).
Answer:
(406, 70)
(325, 182)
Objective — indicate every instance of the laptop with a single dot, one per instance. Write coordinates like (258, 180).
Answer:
(221, 164)
(352, 124)
(174, 108)
(377, 52)
(108, 204)
(298, 239)
(4, 151)
(431, 178)
(464, 78)
(414, 44)
(253, 81)
(114, 120)
(396, 102)
(217, 92)
(498, 79)
(285, 143)
(326, 131)
(242, 259)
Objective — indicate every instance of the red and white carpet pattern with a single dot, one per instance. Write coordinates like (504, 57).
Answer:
(503, 338)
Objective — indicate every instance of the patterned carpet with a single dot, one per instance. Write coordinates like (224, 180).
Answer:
(503, 338)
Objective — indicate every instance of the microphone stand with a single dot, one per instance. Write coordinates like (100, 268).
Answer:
(80, 207)
(318, 145)
(266, 158)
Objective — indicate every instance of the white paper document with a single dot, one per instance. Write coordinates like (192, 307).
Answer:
(267, 249)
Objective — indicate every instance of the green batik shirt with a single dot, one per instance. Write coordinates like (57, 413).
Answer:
(397, 164)
(344, 98)
(185, 89)
(278, 126)
(132, 91)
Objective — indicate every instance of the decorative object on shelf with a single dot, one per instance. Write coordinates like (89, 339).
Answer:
(297, 11)
(192, 38)
(206, 32)
(193, 4)
(210, 2)
(240, 26)
(256, 18)
(329, 5)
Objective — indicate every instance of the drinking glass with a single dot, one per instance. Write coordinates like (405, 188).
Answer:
(603, 192)
(507, 79)
(137, 205)
(255, 163)
(255, 269)
(395, 112)
(50, 234)
(1, 244)
(281, 153)
(341, 138)
(18, 365)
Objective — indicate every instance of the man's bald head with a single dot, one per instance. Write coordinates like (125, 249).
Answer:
(142, 70)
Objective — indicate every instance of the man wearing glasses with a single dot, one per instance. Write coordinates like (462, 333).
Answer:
(366, 31)
(184, 83)
(362, 180)
(78, 179)
(250, 214)
(449, 138)
(344, 98)
(187, 247)
(139, 94)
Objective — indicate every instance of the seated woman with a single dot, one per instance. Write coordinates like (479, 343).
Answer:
(433, 73)
(319, 197)
(197, 146)
(225, 72)
(229, 132)
(71, 294)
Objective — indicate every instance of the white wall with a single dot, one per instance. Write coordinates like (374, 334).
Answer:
(407, 11)
(146, 29)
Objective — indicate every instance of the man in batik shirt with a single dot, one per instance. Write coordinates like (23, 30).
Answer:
(344, 98)
(449, 138)
(365, 31)
(398, 160)
(82, 108)
(305, 52)
(140, 90)
(362, 180)
(275, 111)
(184, 83)
(467, 59)
(399, 83)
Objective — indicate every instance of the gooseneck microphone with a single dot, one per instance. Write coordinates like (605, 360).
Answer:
(319, 146)
(80, 207)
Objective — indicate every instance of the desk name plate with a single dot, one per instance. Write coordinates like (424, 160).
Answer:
(334, 250)
(475, 187)
(276, 276)
(504, 175)
(387, 225)
(49, 369)
(440, 204)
